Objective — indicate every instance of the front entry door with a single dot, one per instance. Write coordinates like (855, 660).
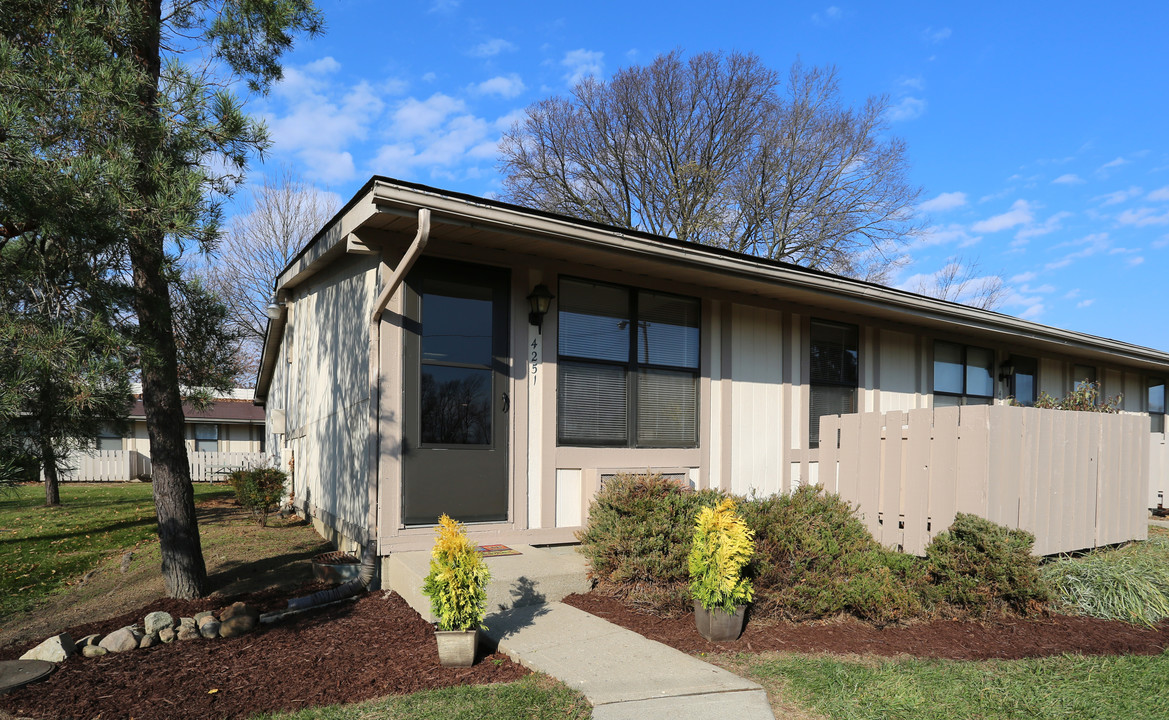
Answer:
(454, 449)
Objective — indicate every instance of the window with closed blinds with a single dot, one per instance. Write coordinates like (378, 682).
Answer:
(627, 368)
(833, 356)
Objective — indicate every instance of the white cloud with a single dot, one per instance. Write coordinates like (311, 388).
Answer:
(1143, 217)
(1159, 194)
(1134, 261)
(1045, 289)
(491, 48)
(507, 86)
(915, 83)
(830, 14)
(1085, 303)
(1115, 198)
(1024, 277)
(1048, 226)
(1019, 214)
(1089, 245)
(1113, 164)
(1071, 294)
(1161, 242)
(1068, 179)
(445, 7)
(946, 234)
(931, 35)
(318, 118)
(910, 108)
(429, 77)
(415, 117)
(581, 64)
(943, 202)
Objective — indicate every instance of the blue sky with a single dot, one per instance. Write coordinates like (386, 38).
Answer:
(1037, 130)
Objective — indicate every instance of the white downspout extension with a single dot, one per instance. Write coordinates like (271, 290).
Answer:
(375, 322)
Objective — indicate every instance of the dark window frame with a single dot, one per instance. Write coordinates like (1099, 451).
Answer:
(632, 365)
(1156, 418)
(965, 395)
(217, 439)
(1012, 387)
(813, 383)
(1076, 380)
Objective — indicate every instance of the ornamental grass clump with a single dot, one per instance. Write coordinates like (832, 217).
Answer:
(721, 548)
(457, 583)
(1129, 584)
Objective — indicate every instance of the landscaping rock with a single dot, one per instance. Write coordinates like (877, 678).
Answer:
(93, 651)
(238, 625)
(200, 617)
(238, 609)
(187, 632)
(166, 635)
(121, 640)
(89, 640)
(55, 649)
(156, 621)
(188, 622)
(210, 629)
(148, 641)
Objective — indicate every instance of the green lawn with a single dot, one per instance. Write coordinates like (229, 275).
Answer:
(534, 697)
(1129, 687)
(42, 548)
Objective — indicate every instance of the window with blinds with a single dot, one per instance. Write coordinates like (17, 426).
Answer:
(627, 367)
(833, 355)
(963, 375)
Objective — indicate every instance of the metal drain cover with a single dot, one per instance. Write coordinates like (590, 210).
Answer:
(17, 673)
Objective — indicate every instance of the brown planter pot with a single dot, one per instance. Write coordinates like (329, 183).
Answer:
(456, 648)
(718, 626)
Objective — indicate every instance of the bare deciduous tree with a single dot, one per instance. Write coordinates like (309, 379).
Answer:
(960, 280)
(718, 150)
(277, 219)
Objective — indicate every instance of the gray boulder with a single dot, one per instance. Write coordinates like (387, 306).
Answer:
(210, 629)
(186, 632)
(148, 641)
(166, 635)
(121, 640)
(55, 649)
(156, 621)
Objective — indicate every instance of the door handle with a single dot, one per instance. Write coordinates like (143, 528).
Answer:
(506, 403)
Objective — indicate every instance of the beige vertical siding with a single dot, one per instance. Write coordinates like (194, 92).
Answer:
(569, 510)
(757, 400)
(1053, 377)
(1074, 480)
(898, 376)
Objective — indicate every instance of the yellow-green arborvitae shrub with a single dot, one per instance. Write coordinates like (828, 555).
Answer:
(457, 583)
(722, 546)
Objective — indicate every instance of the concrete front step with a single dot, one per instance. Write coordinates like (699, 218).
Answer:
(534, 577)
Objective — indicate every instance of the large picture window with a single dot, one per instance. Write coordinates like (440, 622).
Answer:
(963, 375)
(628, 367)
(833, 360)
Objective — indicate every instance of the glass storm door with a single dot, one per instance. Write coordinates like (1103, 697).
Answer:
(454, 448)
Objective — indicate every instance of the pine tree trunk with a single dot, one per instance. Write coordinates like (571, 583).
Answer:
(49, 465)
(183, 569)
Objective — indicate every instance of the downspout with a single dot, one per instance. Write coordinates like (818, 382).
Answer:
(369, 553)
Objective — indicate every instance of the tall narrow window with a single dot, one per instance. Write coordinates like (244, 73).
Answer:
(963, 375)
(109, 439)
(833, 361)
(206, 437)
(1157, 404)
(1082, 374)
(1023, 380)
(628, 367)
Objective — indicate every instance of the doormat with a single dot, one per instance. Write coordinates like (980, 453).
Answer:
(497, 551)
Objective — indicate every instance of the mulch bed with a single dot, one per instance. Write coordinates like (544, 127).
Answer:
(371, 647)
(1006, 639)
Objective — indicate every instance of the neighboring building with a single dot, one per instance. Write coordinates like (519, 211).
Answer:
(228, 434)
(707, 365)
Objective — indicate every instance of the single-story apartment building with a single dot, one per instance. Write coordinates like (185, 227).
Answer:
(432, 352)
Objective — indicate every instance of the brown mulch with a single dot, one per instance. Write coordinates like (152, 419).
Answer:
(1005, 639)
(358, 650)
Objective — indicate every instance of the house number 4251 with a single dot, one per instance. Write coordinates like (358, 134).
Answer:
(535, 358)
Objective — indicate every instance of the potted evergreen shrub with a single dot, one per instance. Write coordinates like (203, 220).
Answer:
(457, 588)
(722, 546)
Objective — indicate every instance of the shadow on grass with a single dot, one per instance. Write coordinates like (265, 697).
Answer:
(88, 530)
(233, 572)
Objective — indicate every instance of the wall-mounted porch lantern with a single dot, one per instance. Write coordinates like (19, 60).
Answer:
(540, 299)
(1007, 369)
(273, 310)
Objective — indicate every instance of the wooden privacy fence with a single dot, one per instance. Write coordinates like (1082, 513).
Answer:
(1074, 479)
(106, 466)
(215, 466)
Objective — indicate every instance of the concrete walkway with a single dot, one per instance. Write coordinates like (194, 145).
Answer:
(624, 675)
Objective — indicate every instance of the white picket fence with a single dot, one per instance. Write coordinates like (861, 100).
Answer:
(128, 465)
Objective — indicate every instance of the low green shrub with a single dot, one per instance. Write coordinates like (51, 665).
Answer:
(638, 538)
(814, 558)
(1129, 584)
(721, 547)
(984, 568)
(258, 490)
